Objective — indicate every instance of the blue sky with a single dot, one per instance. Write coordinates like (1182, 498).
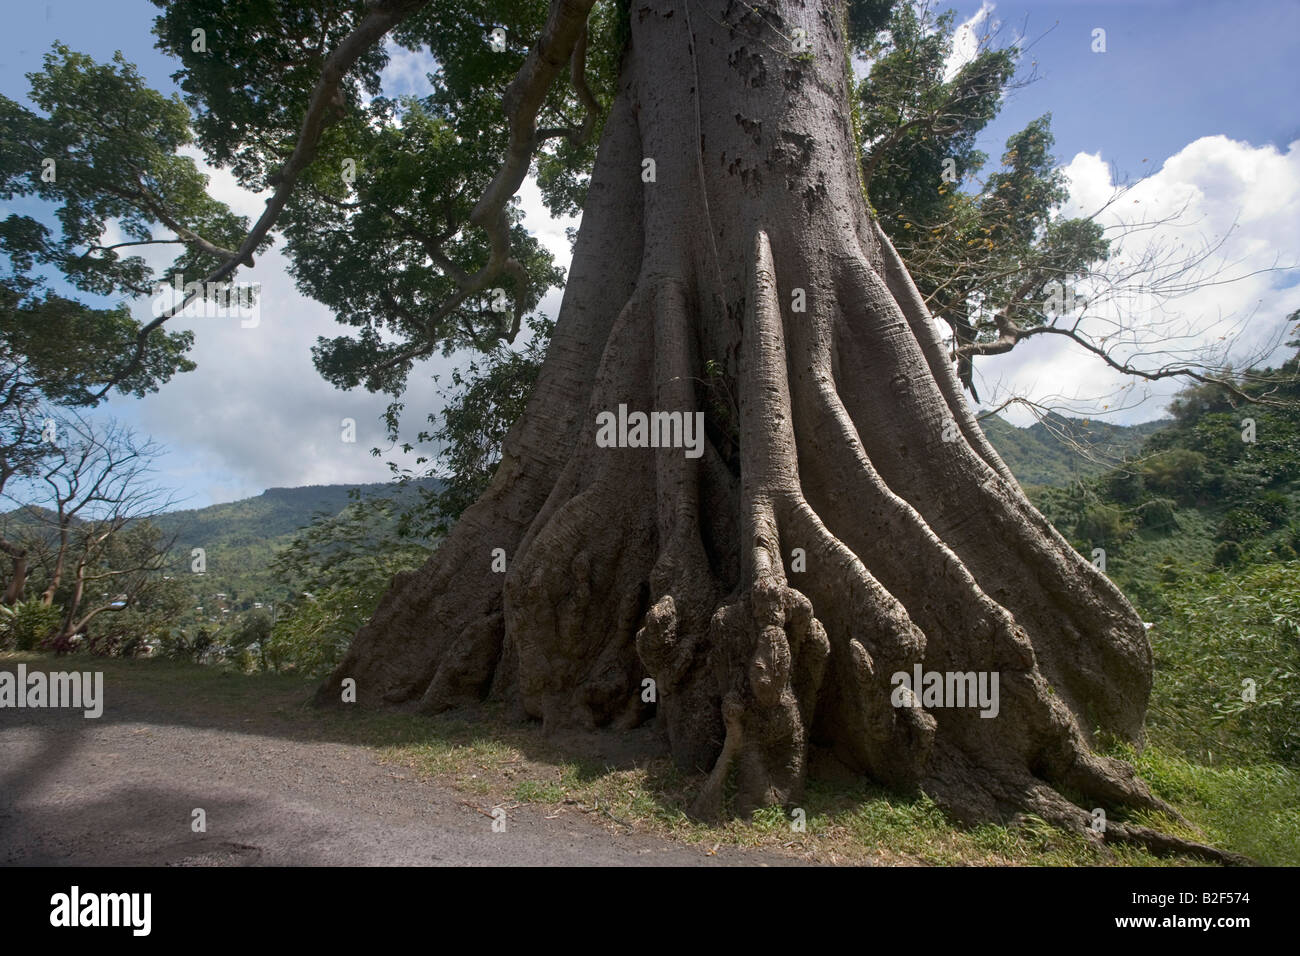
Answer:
(1173, 71)
(1201, 96)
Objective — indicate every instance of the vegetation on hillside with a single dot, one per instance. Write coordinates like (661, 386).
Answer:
(1201, 529)
(1058, 451)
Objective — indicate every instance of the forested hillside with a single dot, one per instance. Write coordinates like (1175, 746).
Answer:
(241, 538)
(1059, 450)
(1200, 531)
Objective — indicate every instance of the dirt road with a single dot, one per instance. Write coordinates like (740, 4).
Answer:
(123, 790)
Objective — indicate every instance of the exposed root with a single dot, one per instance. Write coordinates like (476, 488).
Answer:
(871, 637)
(575, 647)
(708, 802)
(1100, 662)
(767, 651)
(671, 643)
(981, 769)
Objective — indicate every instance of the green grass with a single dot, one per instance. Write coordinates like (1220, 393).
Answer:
(1221, 634)
(1254, 810)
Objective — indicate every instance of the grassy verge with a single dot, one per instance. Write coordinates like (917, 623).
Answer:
(1251, 809)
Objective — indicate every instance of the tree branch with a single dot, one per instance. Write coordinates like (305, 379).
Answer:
(381, 17)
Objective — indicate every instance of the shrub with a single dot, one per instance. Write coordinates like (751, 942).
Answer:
(1240, 524)
(24, 625)
(1123, 485)
(1227, 554)
(1274, 508)
(313, 635)
(1103, 524)
(179, 644)
(1178, 473)
(1157, 514)
(1218, 437)
(1227, 655)
(246, 647)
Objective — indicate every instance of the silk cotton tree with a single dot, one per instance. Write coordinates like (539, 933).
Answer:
(845, 522)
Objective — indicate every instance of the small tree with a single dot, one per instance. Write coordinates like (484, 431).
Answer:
(83, 514)
(995, 258)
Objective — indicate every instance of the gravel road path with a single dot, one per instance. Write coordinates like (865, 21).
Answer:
(123, 790)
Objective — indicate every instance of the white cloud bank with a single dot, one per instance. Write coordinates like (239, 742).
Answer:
(966, 40)
(1220, 191)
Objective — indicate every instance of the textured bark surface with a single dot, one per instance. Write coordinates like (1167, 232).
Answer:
(839, 430)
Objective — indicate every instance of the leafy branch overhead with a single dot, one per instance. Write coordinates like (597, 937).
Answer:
(419, 246)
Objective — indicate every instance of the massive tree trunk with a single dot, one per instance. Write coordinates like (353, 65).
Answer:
(846, 522)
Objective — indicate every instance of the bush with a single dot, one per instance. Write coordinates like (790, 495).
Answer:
(1158, 514)
(1103, 524)
(1123, 485)
(1242, 486)
(1218, 437)
(1266, 511)
(1227, 554)
(179, 645)
(26, 624)
(312, 635)
(246, 647)
(1227, 655)
(1240, 524)
(1170, 571)
(1274, 508)
(1178, 473)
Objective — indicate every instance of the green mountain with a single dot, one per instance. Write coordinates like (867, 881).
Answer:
(240, 538)
(1216, 488)
(1059, 450)
(1201, 530)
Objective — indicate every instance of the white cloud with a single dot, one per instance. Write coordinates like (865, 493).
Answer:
(1219, 192)
(256, 413)
(224, 187)
(966, 41)
(407, 71)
